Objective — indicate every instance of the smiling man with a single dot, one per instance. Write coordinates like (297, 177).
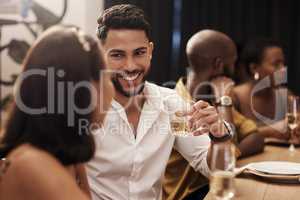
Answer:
(135, 141)
(130, 48)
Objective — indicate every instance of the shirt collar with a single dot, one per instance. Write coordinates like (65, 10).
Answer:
(182, 90)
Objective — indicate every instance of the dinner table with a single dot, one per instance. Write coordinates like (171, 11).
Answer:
(252, 187)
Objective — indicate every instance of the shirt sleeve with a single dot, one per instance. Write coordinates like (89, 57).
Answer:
(194, 149)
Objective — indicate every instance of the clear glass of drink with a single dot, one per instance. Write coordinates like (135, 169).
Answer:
(222, 166)
(292, 117)
(180, 120)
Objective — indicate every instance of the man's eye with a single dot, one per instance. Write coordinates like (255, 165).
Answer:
(116, 55)
(277, 65)
(140, 53)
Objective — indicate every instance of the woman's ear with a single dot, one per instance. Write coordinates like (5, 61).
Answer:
(253, 68)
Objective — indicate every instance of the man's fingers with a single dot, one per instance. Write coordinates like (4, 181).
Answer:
(210, 110)
(200, 105)
(193, 108)
(201, 130)
(211, 119)
(205, 121)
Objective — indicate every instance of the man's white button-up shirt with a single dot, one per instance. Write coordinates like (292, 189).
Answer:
(129, 167)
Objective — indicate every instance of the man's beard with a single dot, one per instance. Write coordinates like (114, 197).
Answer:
(133, 92)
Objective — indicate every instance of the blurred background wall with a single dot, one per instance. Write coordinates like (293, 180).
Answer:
(82, 13)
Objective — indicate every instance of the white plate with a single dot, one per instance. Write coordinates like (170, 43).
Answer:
(276, 167)
(276, 178)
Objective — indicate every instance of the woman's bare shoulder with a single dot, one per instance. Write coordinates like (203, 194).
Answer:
(240, 94)
(37, 172)
(32, 160)
(241, 89)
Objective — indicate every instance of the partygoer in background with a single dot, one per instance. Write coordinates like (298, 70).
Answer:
(138, 127)
(211, 56)
(40, 146)
(264, 61)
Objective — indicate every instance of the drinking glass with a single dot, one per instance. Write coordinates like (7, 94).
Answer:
(292, 117)
(222, 166)
(180, 121)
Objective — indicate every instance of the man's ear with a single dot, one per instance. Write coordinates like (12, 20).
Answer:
(151, 47)
(218, 66)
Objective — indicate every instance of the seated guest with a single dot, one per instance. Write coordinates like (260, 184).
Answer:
(138, 127)
(264, 62)
(43, 141)
(211, 55)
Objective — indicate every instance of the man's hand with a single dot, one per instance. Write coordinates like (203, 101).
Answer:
(204, 118)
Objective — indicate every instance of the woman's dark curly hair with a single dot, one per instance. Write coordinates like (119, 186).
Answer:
(78, 56)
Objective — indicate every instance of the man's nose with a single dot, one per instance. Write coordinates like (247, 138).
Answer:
(130, 64)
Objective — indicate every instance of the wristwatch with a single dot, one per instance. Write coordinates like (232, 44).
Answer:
(224, 101)
(224, 138)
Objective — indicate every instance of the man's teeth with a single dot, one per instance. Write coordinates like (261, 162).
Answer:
(131, 78)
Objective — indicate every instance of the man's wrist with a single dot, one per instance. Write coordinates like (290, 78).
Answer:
(224, 100)
(227, 136)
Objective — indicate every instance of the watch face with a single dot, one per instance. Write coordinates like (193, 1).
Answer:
(226, 101)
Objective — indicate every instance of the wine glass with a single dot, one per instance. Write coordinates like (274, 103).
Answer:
(180, 121)
(179, 124)
(222, 166)
(292, 117)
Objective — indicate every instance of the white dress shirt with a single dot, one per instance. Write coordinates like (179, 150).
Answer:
(129, 167)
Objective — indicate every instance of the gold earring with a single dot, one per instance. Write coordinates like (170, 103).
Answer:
(256, 76)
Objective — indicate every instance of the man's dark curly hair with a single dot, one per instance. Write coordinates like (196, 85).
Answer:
(123, 16)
